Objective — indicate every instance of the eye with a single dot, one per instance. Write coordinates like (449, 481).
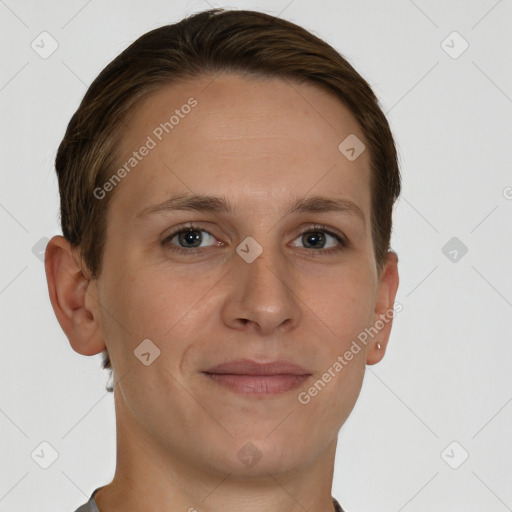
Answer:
(189, 238)
(320, 238)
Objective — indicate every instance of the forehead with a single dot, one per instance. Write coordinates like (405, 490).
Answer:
(242, 136)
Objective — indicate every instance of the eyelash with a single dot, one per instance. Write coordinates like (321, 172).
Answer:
(312, 229)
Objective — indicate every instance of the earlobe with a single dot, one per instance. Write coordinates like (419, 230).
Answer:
(68, 287)
(384, 309)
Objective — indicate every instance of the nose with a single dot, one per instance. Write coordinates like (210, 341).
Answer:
(261, 296)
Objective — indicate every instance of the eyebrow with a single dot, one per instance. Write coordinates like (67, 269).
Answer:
(219, 204)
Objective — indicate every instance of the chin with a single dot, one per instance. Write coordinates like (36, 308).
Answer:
(253, 458)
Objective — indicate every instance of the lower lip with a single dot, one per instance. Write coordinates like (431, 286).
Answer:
(258, 384)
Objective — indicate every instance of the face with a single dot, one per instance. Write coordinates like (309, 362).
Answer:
(241, 276)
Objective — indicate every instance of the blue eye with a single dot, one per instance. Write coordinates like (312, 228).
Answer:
(318, 239)
(189, 240)
(192, 239)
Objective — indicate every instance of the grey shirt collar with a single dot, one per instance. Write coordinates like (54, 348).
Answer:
(91, 506)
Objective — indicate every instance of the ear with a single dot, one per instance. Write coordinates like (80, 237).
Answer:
(71, 292)
(384, 311)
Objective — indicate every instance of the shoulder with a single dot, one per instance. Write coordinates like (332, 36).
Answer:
(90, 506)
(337, 506)
(87, 507)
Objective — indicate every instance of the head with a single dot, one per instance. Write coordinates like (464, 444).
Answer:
(251, 111)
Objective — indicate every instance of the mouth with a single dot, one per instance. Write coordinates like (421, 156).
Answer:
(248, 377)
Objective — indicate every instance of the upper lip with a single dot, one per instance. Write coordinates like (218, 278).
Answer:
(250, 367)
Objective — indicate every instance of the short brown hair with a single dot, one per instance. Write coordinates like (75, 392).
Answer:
(209, 42)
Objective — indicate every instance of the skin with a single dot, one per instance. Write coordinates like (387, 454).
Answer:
(262, 144)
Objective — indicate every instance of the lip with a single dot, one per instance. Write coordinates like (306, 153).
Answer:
(250, 367)
(249, 377)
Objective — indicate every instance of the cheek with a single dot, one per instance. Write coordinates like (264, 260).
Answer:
(150, 305)
(344, 303)
(346, 310)
(153, 303)
(343, 309)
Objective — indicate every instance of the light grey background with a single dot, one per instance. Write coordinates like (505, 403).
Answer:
(447, 372)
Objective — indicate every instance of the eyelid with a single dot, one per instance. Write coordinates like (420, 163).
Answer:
(343, 242)
(327, 229)
(342, 239)
(189, 226)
